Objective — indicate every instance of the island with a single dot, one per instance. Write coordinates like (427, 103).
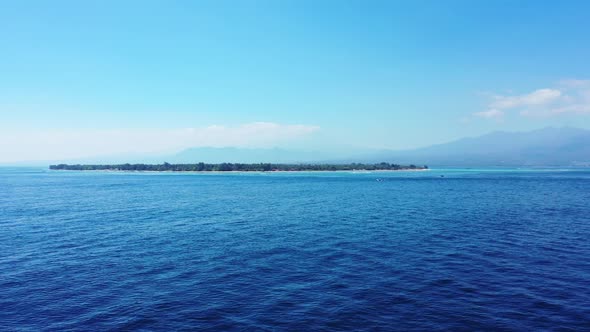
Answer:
(238, 167)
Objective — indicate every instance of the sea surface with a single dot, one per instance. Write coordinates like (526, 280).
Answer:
(441, 250)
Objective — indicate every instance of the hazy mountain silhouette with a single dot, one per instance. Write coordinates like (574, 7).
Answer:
(543, 147)
(246, 155)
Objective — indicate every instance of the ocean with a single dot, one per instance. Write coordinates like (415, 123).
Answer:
(439, 250)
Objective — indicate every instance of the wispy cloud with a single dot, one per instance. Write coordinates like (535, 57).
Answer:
(490, 114)
(567, 97)
(536, 98)
(68, 144)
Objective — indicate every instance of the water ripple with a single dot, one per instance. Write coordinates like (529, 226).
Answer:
(474, 250)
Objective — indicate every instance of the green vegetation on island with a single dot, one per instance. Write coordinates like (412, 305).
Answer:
(237, 167)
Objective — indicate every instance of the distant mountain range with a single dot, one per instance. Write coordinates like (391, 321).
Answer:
(544, 147)
(245, 155)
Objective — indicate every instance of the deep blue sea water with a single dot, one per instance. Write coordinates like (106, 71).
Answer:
(486, 250)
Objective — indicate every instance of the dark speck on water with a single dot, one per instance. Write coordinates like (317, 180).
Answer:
(484, 250)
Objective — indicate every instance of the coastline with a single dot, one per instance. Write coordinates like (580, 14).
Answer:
(239, 167)
(360, 171)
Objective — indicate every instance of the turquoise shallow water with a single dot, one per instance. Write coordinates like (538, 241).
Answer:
(461, 249)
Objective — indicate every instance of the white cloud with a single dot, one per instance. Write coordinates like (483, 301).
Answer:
(569, 97)
(572, 109)
(575, 83)
(490, 114)
(69, 144)
(535, 98)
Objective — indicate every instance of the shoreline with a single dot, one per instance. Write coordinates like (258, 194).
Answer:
(240, 167)
(234, 172)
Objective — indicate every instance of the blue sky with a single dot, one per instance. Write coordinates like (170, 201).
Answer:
(104, 77)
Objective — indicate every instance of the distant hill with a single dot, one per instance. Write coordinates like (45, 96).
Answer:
(544, 147)
(245, 155)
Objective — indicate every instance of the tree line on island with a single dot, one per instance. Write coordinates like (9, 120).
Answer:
(237, 167)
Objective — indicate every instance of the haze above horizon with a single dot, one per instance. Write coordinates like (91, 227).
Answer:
(85, 79)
